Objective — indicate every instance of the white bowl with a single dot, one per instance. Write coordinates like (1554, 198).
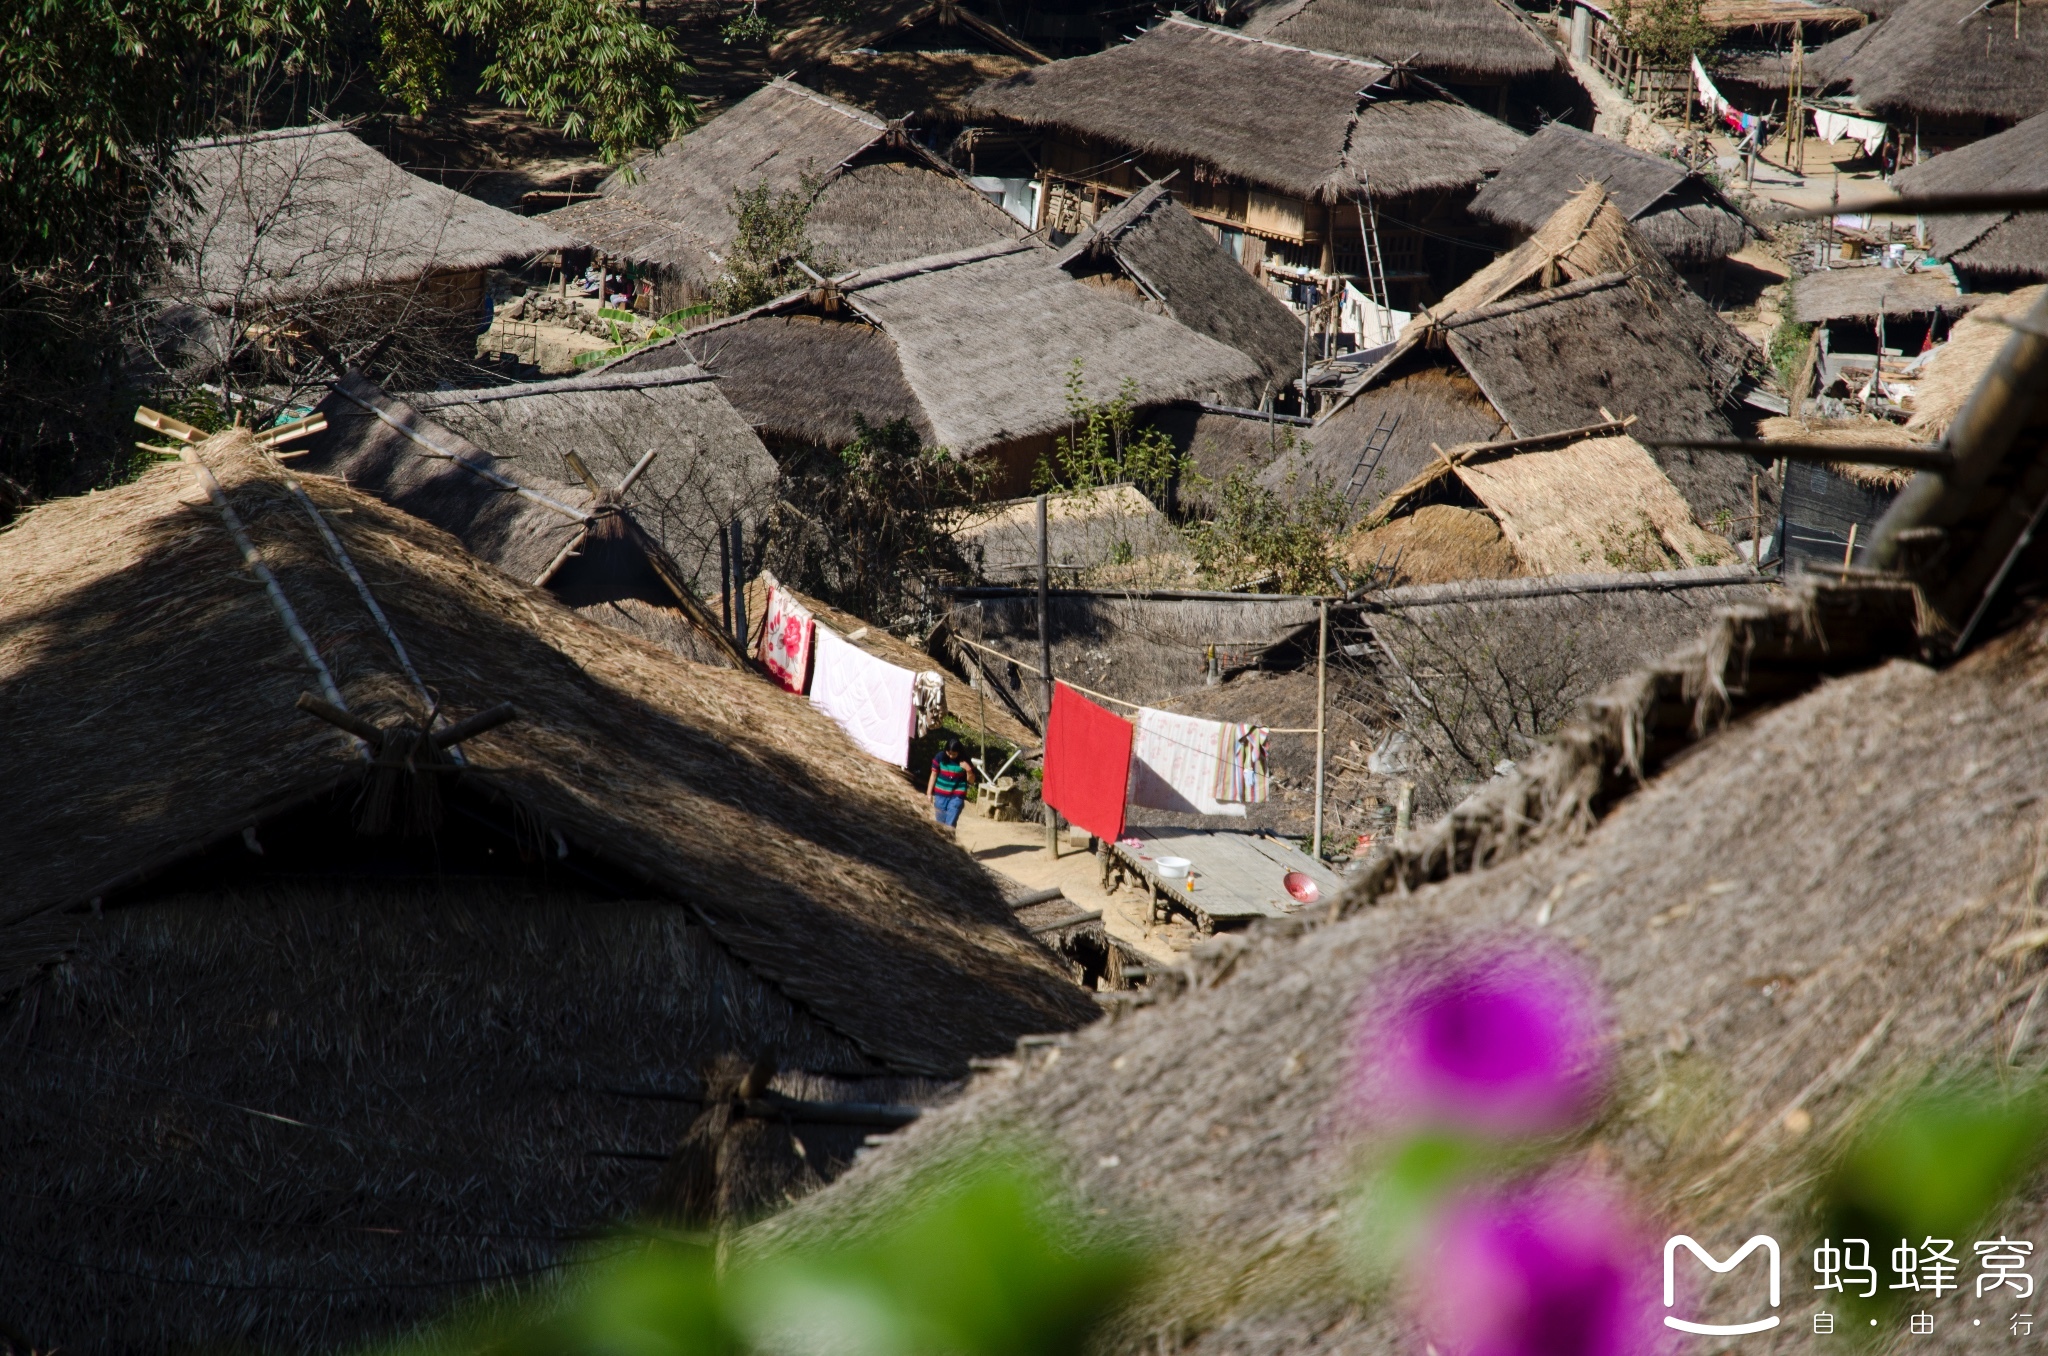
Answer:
(1171, 868)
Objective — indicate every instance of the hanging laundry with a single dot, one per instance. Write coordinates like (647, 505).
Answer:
(1087, 763)
(872, 700)
(1718, 107)
(1241, 773)
(929, 696)
(1832, 127)
(786, 631)
(1176, 763)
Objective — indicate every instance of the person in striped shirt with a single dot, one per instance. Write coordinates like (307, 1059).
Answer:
(951, 775)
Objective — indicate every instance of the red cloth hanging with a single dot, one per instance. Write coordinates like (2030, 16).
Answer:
(1087, 763)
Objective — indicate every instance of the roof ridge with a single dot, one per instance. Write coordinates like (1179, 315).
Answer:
(1184, 20)
(845, 110)
(273, 134)
(1494, 310)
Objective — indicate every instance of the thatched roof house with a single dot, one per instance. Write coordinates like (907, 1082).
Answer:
(1581, 324)
(1573, 507)
(1994, 249)
(973, 348)
(490, 466)
(905, 57)
(876, 195)
(306, 213)
(1086, 531)
(1274, 146)
(1768, 943)
(495, 983)
(1950, 70)
(1150, 249)
(1478, 44)
(1954, 370)
(1869, 291)
(1685, 218)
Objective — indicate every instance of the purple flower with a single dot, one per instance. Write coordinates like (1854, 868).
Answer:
(1501, 1039)
(1559, 1267)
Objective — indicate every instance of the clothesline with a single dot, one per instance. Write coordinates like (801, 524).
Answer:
(1090, 692)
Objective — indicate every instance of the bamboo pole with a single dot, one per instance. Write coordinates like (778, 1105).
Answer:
(1052, 829)
(1322, 722)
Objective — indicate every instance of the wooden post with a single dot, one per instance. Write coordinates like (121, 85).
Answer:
(1052, 819)
(739, 584)
(725, 576)
(1322, 689)
(1756, 525)
(1849, 551)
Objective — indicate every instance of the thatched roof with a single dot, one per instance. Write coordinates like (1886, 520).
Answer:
(1449, 39)
(1956, 368)
(1084, 530)
(1581, 318)
(820, 36)
(1435, 544)
(1944, 59)
(973, 347)
(1854, 431)
(1767, 941)
(2001, 245)
(709, 468)
(1177, 264)
(1571, 508)
(880, 196)
(1285, 117)
(1865, 293)
(1685, 218)
(926, 87)
(702, 785)
(313, 211)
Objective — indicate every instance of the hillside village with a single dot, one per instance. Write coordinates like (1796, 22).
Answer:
(605, 732)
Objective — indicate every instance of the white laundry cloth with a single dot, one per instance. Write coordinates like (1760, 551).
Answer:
(1173, 764)
(873, 701)
(1832, 127)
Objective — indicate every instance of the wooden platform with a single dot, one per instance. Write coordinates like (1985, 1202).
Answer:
(1236, 876)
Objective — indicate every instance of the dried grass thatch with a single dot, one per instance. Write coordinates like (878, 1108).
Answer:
(820, 36)
(313, 211)
(1753, 968)
(1870, 291)
(1272, 114)
(2004, 246)
(653, 865)
(1944, 59)
(1851, 432)
(710, 468)
(974, 348)
(703, 785)
(1683, 218)
(1449, 39)
(1179, 266)
(1381, 437)
(1954, 371)
(1580, 322)
(880, 196)
(927, 87)
(1570, 509)
(1085, 531)
(1435, 544)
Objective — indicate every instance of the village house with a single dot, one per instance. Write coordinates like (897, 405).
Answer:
(613, 493)
(1989, 251)
(874, 194)
(308, 236)
(443, 930)
(1939, 73)
(1582, 324)
(974, 349)
(1683, 216)
(1490, 53)
(1153, 252)
(1294, 158)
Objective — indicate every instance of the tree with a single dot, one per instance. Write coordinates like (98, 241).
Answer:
(1666, 32)
(1106, 445)
(874, 521)
(1258, 537)
(773, 236)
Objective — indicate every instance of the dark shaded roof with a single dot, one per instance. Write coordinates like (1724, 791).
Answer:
(313, 211)
(1944, 58)
(927, 87)
(2002, 244)
(822, 35)
(880, 197)
(1270, 113)
(1383, 437)
(980, 342)
(1179, 265)
(154, 685)
(1686, 219)
(1454, 39)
